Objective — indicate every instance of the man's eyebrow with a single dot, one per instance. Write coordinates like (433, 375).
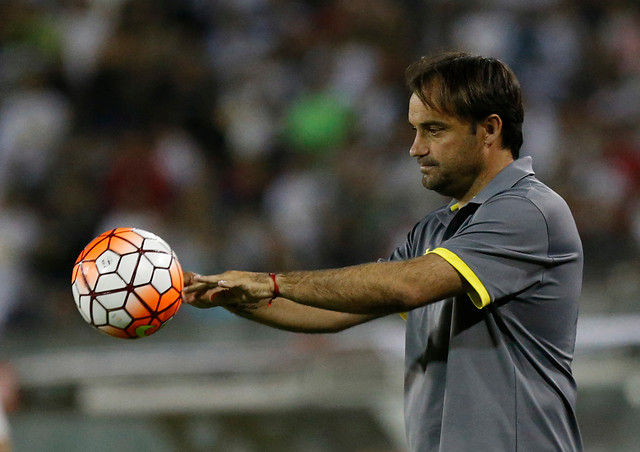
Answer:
(430, 123)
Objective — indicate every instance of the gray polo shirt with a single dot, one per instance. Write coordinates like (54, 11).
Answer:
(491, 371)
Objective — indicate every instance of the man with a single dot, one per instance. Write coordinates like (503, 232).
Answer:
(490, 283)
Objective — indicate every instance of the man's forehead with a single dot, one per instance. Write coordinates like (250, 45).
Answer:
(418, 110)
(416, 105)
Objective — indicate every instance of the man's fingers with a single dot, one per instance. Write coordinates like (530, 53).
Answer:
(200, 287)
(189, 277)
(224, 284)
(212, 279)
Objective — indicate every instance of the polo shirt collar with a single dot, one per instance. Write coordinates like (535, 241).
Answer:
(504, 180)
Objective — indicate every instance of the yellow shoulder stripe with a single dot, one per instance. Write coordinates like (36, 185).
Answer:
(480, 297)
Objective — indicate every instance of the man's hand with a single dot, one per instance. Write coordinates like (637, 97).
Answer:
(233, 288)
(200, 294)
(249, 294)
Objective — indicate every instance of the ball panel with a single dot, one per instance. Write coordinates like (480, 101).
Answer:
(130, 236)
(74, 273)
(112, 300)
(154, 244)
(96, 250)
(148, 295)
(76, 293)
(111, 331)
(88, 248)
(143, 327)
(145, 234)
(109, 283)
(90, 274)
(138, 307)
(168, 299)
(159, 259)
(164, 244)
(85, 307)
(98, 314)
(106, 234)
(144, 272)
(81, 283)
(127, 266)
(161, 280)
(145, 330)
(119, 318)
(121, 246)
(107, 262)
(135, 307)
(169, 313)
(165, 316)
(176, 274)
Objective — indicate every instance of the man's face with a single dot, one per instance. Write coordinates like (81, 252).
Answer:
(447, 149)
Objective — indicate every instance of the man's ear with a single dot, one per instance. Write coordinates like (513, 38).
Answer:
(492, 126)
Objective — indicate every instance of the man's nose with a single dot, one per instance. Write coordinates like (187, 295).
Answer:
(418, 148)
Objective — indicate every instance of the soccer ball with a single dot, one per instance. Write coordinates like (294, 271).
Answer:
(127, 283)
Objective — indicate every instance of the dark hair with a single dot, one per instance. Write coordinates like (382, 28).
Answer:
(472, 88)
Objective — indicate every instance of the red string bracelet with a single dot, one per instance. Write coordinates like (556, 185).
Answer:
(276, 289)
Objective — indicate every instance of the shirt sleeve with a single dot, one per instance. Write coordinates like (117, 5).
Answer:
(502, 251)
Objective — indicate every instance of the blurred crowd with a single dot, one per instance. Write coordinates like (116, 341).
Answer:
(272, 134)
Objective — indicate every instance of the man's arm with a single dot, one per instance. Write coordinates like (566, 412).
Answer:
(281, 313)
(288, 315)
(373, 289)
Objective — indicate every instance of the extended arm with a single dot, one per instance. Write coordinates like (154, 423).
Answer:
(371, 290)
(377, 288)
(283, 314)
(288, 315)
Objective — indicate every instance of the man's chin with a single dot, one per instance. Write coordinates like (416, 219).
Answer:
(435, 185)
(429, 183)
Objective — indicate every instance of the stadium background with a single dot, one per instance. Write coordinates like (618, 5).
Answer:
(271, 135)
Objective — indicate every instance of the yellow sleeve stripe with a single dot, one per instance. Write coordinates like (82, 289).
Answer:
(480, 297)
(403, 315)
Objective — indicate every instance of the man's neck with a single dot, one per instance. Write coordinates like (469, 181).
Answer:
(495, 165)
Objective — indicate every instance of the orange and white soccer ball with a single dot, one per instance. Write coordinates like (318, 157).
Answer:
(127, 283)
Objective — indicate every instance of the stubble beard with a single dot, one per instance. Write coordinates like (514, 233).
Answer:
(442, 185)
(434, 183)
